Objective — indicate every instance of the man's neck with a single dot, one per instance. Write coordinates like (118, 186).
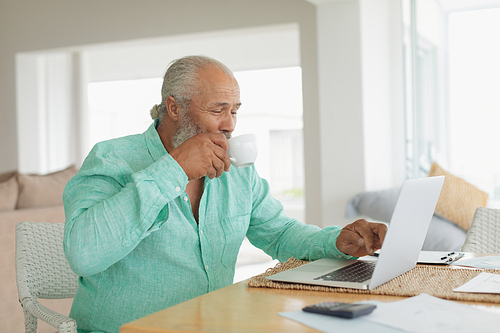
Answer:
(165, 136)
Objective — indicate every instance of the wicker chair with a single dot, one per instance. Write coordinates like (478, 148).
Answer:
(42, 271)
(484, 233)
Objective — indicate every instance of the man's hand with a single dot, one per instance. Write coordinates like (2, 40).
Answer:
(203, 155)
(361, 238)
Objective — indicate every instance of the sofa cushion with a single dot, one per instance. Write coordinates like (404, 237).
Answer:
(442, 235)
(377, 205)
(8, 193)
(6, 176)
(46, 190)
(459, 199)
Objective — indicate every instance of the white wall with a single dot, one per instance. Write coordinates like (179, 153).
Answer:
(341, 106)
(278, 46)
(383, 93)
(44, 89)
(361, 100)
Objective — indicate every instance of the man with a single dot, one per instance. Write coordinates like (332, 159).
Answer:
(158, 218)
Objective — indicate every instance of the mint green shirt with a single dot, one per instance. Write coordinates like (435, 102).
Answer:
(131, 236)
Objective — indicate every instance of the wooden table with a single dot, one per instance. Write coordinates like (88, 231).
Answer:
(237, 308)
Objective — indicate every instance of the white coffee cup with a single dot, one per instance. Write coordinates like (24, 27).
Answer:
(243, 150)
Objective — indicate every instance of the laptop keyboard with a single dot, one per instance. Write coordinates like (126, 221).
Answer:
(356, 272)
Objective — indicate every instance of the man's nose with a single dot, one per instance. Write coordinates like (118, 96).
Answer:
(228, 123)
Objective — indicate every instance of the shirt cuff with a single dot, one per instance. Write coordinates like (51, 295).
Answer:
(335, 253)
(168, 175)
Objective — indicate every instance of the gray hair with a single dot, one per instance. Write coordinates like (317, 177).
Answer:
(180, 79)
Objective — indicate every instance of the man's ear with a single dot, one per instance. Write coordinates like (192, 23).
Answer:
(173, 108)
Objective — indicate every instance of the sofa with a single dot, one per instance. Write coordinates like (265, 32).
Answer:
(452, 218)
(377, 206)
(23, 197)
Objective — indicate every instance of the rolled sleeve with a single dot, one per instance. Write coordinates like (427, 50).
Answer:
(108, 214)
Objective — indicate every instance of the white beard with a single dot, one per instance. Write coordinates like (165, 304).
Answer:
(187, 130)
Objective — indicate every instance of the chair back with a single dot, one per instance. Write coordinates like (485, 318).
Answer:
(484, 233)
(42, 270)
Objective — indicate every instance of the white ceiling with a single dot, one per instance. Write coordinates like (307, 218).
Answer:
(447, 5)
(319, 2)
(461, 5)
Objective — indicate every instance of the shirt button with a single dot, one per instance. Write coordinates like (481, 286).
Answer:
(339, 256)
(201, 232)
(177, 189)
(206, 267)
(185, 198)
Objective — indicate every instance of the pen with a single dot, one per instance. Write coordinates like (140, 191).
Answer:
(454, 256)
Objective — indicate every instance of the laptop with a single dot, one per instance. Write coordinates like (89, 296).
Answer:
(399, 253)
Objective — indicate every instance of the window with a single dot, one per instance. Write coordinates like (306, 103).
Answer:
(119, 108)
(272, 109)
(474, 115)
(452, 91)
(423, 126)
(286, 164)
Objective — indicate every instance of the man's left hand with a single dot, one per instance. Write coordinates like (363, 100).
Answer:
(361, 238)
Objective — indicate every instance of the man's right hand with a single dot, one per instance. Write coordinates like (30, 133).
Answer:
(203, 155)
(361, 238)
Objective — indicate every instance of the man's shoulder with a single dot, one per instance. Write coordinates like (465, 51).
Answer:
(119, 145)
(117, 158)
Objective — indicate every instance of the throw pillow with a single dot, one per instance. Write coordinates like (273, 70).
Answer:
(46, 190)
(8, 193)
(459, 199)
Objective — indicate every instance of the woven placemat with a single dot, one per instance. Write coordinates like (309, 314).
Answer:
(437, 281)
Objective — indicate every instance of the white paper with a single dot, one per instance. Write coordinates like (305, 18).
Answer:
(428, 314)
(434, 257)
(492, 262)
(483, 283)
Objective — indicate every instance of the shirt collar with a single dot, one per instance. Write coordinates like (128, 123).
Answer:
(153, 141)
